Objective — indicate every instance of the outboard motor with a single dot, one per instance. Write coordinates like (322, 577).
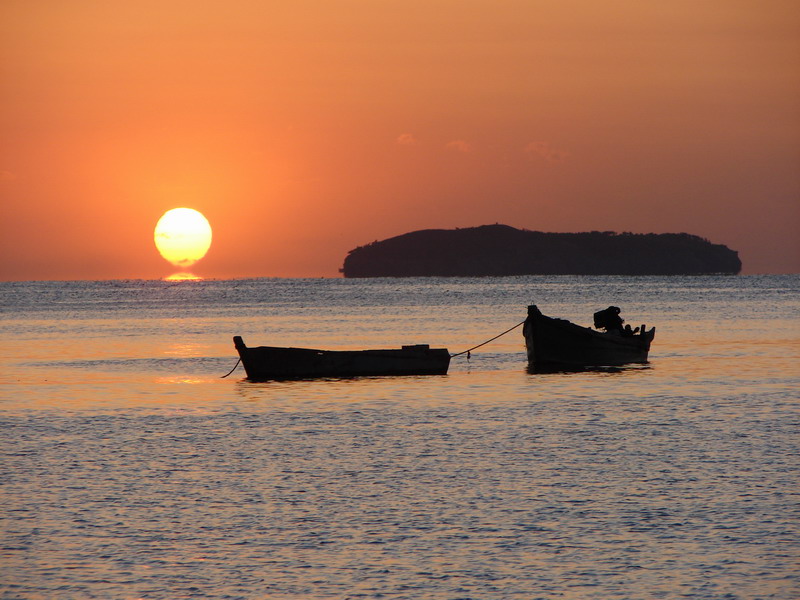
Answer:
(608, 319)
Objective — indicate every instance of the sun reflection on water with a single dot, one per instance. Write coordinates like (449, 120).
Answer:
(184, 276)
(181, 379)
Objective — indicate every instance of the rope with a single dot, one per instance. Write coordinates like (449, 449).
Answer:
(233, 369)
(487, 341)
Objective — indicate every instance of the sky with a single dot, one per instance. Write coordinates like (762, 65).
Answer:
(305, 128)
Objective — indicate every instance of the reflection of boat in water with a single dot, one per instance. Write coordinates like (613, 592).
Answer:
(551, 341)
(560, 369)
(270, 362)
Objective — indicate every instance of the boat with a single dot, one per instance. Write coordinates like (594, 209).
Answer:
(558, 342)
(270, 362)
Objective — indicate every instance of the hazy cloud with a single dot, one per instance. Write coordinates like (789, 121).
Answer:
(406, 139)
(546, 151)
(459, 146)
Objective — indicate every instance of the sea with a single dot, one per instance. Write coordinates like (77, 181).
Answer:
(132, 469)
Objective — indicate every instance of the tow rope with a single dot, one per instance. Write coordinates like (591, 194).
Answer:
(467, 352)
(233, 369)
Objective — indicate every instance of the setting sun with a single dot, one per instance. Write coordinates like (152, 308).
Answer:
(183, 236)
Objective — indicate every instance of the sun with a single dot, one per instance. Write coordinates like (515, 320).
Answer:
(183, 236)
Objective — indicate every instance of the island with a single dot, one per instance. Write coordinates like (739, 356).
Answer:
(501, 250)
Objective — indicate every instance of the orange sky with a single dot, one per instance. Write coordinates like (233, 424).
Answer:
(305, 128)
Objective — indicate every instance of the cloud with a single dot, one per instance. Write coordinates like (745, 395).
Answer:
(7, 176)
(459, 146)
(406, 139)
(544, 150)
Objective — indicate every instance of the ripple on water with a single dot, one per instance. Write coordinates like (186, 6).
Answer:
(482, 501)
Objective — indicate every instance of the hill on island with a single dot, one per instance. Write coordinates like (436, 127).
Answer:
(500, 250)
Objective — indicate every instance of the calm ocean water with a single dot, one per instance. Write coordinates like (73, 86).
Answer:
(132, 470)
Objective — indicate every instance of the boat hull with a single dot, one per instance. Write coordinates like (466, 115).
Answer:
(271, 362)
(550, 341)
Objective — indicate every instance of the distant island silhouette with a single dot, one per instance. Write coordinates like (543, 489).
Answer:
(501, 250)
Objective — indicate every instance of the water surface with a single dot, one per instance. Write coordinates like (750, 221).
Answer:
(132, 470)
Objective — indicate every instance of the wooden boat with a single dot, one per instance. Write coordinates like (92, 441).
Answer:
(551, 341)
(269, 362)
